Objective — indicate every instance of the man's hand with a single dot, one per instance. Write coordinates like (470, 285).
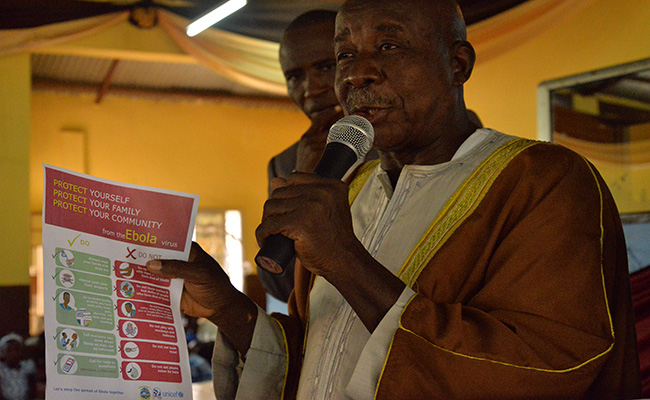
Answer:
(312, 143)
(206, 286)
(314, 213)
(208, 293)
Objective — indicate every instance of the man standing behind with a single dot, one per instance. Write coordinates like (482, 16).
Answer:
(308, 64)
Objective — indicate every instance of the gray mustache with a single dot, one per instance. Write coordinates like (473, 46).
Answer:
(366, 98)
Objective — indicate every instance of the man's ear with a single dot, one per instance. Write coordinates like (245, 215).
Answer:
(463, 57)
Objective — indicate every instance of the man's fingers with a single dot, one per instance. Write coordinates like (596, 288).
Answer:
(192, 307)
(175, 269)
(304, 195)
(277, 183)
(198, 266)
(197, 254)
(274, 224)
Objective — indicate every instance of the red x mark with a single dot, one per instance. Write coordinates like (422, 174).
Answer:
(130, 253)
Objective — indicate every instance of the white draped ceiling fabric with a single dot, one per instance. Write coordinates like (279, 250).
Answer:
(249, 61)
(29, 40)
(254, 62)
(495, 36)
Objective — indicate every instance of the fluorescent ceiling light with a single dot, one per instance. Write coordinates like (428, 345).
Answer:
(214, 16)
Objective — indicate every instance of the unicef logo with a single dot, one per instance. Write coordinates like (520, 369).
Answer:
(145, 392)
(158, 394)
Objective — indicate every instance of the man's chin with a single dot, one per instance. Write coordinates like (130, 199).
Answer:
(330, 112)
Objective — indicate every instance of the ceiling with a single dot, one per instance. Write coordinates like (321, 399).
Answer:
(261, 19)
(132, 77)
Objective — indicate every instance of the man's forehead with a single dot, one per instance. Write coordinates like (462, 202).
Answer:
(403, 7)
(380, 26)
(308, 46)
(297, 36)
(379, 16)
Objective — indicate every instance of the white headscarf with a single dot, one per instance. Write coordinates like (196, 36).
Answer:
(4, 342)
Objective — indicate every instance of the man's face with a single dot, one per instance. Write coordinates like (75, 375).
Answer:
(308, 64)
(395, 71)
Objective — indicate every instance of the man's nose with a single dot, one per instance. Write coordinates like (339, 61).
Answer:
(363, 71)
(314, 85)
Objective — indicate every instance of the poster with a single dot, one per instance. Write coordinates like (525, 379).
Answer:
(112, 329)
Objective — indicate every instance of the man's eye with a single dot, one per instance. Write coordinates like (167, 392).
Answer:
(387, 46)
(327, 67)
(343, 56)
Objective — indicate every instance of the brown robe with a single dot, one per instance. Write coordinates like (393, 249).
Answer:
(522, 290)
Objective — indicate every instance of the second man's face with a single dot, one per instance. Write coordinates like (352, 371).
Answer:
(308, 64)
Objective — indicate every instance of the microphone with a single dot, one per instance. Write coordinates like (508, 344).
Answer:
(348, 142)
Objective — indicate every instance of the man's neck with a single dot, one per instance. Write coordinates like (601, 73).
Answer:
(438, 152)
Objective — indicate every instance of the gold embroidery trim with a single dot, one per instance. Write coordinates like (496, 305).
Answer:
(365, 170)
(463, 202)
(286, 366)
(557, 371)
(602, 235)
(390, 348)
(522, 146)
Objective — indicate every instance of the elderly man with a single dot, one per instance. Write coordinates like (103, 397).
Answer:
(470, 264)
(308, 64)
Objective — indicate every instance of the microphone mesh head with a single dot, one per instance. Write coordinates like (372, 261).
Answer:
(354, 131)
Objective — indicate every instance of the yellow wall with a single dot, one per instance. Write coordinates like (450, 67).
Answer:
(503, 89)
(220, 150)
(610, 32)
(14, 170)
(216, 150)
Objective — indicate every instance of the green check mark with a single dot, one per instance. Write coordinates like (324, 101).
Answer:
(73, 240)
